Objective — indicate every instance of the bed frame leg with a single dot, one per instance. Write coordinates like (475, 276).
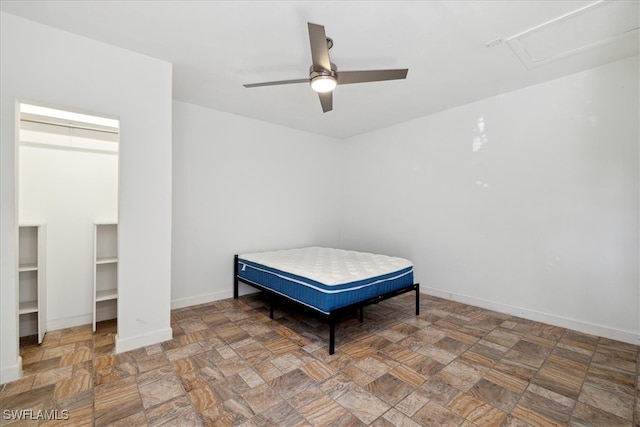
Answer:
(361, 314)
(235, 276)
(417, 299)
(271, 308)
(332, 335)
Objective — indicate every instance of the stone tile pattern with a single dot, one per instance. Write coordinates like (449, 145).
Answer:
(228, 364)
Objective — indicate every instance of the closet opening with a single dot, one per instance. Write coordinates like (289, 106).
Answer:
(67, 191)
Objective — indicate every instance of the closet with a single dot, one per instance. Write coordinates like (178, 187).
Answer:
(67, 211)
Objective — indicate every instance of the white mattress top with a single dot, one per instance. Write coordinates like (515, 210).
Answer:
(327, 265)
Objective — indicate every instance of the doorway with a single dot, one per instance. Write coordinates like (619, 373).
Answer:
(67, 187)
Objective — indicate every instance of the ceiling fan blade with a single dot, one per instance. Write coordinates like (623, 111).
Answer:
(319, 48)
(346, 77)
(326, 99)
(280, 82)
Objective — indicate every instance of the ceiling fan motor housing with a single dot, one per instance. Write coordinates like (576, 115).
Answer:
(323, 80)
(333, 71)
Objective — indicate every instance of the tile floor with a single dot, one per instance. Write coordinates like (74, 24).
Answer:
(229, 364)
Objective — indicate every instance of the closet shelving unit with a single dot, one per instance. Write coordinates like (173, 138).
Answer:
(32, 302)
(105, 271)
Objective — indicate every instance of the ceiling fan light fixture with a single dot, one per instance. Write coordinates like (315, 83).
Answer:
(323, 83)
(323, 74)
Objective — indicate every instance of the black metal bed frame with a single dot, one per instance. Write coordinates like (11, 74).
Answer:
(334, 314)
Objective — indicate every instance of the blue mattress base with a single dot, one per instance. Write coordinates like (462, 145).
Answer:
(317, 295)
(361, 297)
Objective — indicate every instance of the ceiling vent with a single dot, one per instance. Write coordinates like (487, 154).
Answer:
(591, 26)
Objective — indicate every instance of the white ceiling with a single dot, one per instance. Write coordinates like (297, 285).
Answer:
(217, 46)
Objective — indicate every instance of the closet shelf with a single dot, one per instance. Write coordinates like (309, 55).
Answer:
(107, 260)
(28, 267)
(107, 295)
(27, 307)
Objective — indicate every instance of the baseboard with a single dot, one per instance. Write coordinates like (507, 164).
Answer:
(11, 373)
(107, 310)
(201, 299)
(210, 297)
(537, 316)
(155, 337)
(69, 322)
(104, 312)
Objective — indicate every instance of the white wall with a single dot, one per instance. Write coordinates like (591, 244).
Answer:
(526, 203)
(242, 185)
(68, 190)
(43, 64)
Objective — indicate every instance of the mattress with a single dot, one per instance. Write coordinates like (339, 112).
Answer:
(325, 279)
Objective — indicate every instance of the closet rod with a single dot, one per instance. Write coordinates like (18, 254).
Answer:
(72, 126)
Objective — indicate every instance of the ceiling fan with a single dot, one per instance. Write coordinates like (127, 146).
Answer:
(324, 75)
